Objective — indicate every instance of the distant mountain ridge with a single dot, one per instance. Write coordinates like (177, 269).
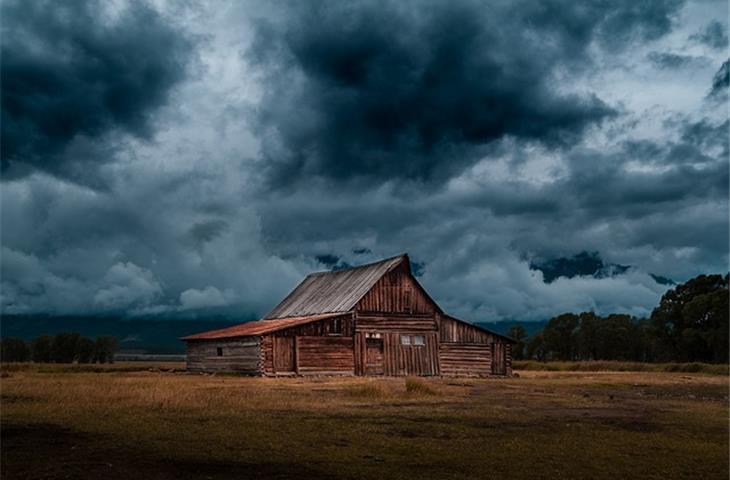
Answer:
(585, 264)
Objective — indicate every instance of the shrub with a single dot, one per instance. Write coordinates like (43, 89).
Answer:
(418, 387)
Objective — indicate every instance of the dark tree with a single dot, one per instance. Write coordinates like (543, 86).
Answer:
(692, 320)
(560, 336)
(105, 348)
(86, 350)
(536, 347)
(588, 336)
(14, 350)
(519, 334)
(64, 348)
(41, 349)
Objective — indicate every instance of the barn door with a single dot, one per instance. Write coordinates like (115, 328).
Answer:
(374, 356)
(283, 354)
(499, 365)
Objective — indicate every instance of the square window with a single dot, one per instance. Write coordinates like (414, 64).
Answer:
(219, 351)
(405, 339)
(418, 340)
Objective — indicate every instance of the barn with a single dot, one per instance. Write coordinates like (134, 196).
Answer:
(373, 319)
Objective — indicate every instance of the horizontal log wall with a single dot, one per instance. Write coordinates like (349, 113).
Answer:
(394, 323)
(397, 292)
(241, 355)
(325, 355)
(465, 359)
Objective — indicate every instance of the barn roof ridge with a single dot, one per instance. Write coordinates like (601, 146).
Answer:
(334, 291)
(355, 267)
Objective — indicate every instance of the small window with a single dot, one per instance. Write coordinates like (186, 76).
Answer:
(405, 339)
(219, 351)
(336, 326)
(418, 340)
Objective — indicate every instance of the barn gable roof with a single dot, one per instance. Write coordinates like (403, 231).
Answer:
(259, 327)
(337, 291)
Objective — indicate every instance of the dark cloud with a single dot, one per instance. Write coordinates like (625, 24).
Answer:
(714, 35)
(75, 71)
(204, 232)
(409, 90)
(500, 107)
(670, 60)
(721, 81)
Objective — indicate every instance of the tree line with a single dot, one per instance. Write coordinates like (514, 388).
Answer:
(60, 348)
(690, 324)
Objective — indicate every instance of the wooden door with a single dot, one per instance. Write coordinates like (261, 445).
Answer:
(283, 354)
(499, 366)
(374, 356)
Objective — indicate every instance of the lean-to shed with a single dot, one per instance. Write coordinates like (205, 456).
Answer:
(374, 319)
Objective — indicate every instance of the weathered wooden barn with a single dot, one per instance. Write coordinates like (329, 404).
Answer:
(373, 319)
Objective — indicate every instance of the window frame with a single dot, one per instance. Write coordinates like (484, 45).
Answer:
(336, 326)
(219, 351)
(405, 340)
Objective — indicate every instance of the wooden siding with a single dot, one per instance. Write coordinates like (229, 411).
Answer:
(398, 359)
(397, 292)
(394, 322)
(325, 355)
(453, 331)
(324, 327)
(284, 355)
(238, 355)
(267, 354)
(465, 359)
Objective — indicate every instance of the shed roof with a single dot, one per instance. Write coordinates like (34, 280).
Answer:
(337, 291)
(479, 327)
(258, 327)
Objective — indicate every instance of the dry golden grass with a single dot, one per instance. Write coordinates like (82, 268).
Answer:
(617, 366)
(540, 425)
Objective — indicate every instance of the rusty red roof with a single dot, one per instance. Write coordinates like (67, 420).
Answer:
(337, 291)
(259, 327)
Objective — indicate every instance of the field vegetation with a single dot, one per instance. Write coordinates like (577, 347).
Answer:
(617, 366)
(155, 421)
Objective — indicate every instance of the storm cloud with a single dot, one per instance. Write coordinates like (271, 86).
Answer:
(73, 72)
(195, 159)
(417, 90)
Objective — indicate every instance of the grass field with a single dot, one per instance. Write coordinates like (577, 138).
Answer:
(152, 421)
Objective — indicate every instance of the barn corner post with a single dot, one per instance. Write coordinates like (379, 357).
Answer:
(374, 319)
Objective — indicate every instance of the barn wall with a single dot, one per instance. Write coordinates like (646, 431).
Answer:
(316, 348)
(453, 331)
(321, 328)
(398, 359)
(397, 292)
(324, 355)
(395, 323)
(465, 350)
(410, 359)
(465, 359)
(239, 355)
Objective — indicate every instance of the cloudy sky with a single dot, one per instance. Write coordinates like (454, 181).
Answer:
(189, 158)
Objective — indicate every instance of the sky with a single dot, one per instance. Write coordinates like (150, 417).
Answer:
(188, 159)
